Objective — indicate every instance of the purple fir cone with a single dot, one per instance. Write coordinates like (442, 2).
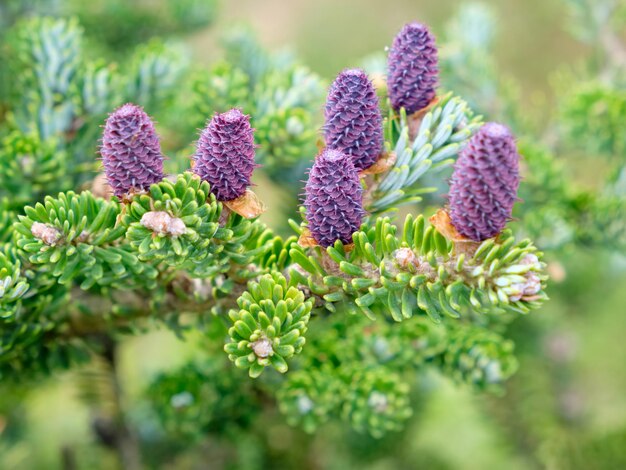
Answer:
(131, 152)
(413, 71)
(334, 198)
(353, 118)
(225, 154)
(483, 187)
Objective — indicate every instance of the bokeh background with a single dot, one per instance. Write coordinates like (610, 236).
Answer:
(565, 408)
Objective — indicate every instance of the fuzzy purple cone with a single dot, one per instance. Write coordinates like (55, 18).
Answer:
(225, 154)
(131, 152)
(353, 118)
(483, 187)
(412, 68)
(334, 198)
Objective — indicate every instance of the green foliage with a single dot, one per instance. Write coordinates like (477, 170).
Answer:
(28, 349)
(591, 17)
(60, 98)
(118, 24)
(46, 61)
(377, 402)
(587, 452)
(243, 50)
(592, 114)
(285, 104)
(30, 167)
(558, 216)
(221, 88)
(407, 346)
(155, 73)
(348, 357)
(309, 398)
(6, 220)
(73, 236)
(200, 398)
(269, 326)
(283, 97)
(177, 224)
(12, 284)
(442, 133)
(469, 67)
(479, 357)
(420, 273)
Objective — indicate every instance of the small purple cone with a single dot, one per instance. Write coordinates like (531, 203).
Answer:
(483, 187)
(131, 152)
(334, 198)
(353, 118)
(413, 71)
(225, 154)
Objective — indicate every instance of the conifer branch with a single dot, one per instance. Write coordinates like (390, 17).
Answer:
(78, 268)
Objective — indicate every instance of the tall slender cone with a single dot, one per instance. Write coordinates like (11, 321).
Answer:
(131, 152)
(334, 198)
(225, 154)
(353, 118)
(484, 184)
(413, 70)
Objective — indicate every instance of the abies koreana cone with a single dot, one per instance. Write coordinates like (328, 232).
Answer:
(353, 119)
(484, 184)
(225, 155)
(131, 152)
(334, 198)
(413, 71)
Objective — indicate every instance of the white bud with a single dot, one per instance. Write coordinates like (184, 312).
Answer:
(181, 400)
(262, 348)
(493, 372)
(46, 233)
(530, 258)
(533, 284)
(530, 287)
(304, 404)
(405, 257)
(164, 224)
(177, 227)
(378, 402)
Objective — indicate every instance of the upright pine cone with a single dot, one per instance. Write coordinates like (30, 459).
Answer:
(353, 118)
(483, 187)
(334, 198)
(131, 152)
(225, 154)
(412, 68)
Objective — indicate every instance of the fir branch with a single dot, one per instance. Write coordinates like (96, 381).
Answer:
(154, 74)
(269, 326)
(47, 56)
(422, 272)
(478, 357)
(75, 236)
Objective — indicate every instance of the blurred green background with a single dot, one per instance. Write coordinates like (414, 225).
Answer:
(570, 392)
(331, 35)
